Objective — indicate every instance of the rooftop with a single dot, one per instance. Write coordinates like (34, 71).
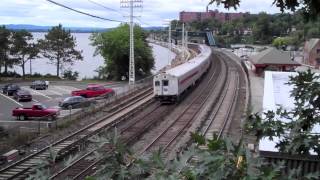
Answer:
(273, 56)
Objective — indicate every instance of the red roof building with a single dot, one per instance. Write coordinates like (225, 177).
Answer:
(274, 60)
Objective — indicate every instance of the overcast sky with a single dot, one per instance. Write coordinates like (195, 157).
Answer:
(153, 13)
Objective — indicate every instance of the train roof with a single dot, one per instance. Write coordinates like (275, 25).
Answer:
(192, 63)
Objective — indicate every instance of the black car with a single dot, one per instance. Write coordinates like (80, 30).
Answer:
(5, 88)
(22, 95)
(75, 102)
(39, 84)
(10, 89)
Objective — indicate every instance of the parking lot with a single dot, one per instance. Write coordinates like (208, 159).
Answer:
(50, 97)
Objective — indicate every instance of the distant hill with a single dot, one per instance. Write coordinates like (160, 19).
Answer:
(34, 28)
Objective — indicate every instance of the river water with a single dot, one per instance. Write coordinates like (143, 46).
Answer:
(90, 63)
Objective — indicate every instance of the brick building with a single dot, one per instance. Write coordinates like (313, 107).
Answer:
(312, 52)
(200, 16)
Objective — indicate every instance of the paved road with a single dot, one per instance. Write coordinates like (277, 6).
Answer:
(50, 97)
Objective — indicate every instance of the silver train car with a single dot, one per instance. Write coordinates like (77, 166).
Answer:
(171, 84)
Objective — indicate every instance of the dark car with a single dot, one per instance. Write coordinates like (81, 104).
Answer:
(75, 102)
(5, 88)
(10, 89)
(39, 84)
(22, 95)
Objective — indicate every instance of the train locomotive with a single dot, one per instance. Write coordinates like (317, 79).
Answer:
(171, 84)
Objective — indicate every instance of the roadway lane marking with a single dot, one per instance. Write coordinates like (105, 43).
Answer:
(35, 100)
(61, 89)
(56, 93)
(71, 88)
(11, 99)
(37, 92)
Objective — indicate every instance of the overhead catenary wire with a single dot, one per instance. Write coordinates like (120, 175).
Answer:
(84, 13)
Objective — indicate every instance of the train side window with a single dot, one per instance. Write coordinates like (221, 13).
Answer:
(165, 82)
(157, 83)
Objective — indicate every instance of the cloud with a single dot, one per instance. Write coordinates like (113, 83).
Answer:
(41, 12)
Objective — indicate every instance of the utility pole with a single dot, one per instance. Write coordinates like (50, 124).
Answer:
(168, 22)
(131, 4)
(186, 40)
(182, 43)
(170, 44)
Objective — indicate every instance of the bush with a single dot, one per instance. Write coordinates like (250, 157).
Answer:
(38, 75)
(10, 74)
(68, 74)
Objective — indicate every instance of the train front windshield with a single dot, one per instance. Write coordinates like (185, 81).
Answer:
(165, 82)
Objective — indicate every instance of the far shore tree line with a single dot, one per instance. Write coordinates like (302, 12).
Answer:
(20, 47)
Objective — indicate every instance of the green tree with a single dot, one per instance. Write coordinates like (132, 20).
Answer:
(281, 42)
(262, 32)
(22, 49)
(114, 47)
(59, 47)
(5, 41)
(311, 8)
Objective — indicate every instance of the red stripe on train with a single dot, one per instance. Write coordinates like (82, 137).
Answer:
(189, 77)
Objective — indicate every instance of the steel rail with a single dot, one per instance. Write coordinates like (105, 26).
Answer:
(125, 141)
(231, 107)
(180, 116)
(30, 157)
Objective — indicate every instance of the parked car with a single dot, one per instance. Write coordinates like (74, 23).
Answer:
(10, 89)
(5, 88)
(22, 95)
(94, 91)
(39, 84)
(37, 110)
(75, 102)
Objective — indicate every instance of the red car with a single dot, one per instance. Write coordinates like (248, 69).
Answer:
(37, 110)
(93, 91)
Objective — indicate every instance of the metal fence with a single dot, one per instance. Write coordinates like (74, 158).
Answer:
(306, 163)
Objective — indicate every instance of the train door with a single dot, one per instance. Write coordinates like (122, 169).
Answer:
(165, 87)
(157, 87)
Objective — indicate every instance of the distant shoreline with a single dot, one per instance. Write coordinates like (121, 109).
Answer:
(35, 28)
(45, 31)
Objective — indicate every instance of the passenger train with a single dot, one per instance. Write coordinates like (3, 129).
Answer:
(171, 84)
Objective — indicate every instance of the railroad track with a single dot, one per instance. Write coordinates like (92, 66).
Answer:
(129, 132)
(175, 129)
(220, 117)
(22, 168)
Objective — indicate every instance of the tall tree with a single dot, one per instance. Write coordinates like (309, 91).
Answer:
(23, 49)
(114, 47)
(59, 47)
(5, 36)
(262, 31)
(311, 8)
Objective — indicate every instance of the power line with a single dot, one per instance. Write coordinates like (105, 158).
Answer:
(105, 7)
(94, 16)
(111, 9)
